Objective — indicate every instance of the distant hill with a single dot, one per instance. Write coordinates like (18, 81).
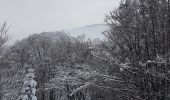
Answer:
(90, 31)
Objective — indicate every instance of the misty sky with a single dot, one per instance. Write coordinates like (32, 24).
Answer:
(34, 16)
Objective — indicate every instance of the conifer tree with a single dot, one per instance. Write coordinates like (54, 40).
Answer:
(29, 88)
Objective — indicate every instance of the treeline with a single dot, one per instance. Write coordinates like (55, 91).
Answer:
(62, 64)
(132, 63)
(140, 39)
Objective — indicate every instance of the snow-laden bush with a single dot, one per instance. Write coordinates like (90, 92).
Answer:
(29, 87)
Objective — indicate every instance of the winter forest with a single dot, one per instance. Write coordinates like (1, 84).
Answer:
(132, 62)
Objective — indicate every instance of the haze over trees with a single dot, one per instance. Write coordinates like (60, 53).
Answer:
(131, 63)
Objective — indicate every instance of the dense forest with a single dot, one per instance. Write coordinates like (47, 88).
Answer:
(131, 63)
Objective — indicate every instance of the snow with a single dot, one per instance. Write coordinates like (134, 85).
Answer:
(29, 87)
(81, 88)
(31, 83)
(91, 31)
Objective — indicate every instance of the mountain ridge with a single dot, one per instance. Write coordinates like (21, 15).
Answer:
(90, 31)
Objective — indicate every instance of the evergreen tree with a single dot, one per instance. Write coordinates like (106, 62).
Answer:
(29, 88)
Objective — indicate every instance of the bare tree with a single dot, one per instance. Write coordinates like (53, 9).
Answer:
(4, 37)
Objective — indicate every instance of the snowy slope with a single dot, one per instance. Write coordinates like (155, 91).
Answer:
(90, 31)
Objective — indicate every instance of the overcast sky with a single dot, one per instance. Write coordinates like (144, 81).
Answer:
(34, 16)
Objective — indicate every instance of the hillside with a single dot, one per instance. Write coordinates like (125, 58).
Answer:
(90, 31)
